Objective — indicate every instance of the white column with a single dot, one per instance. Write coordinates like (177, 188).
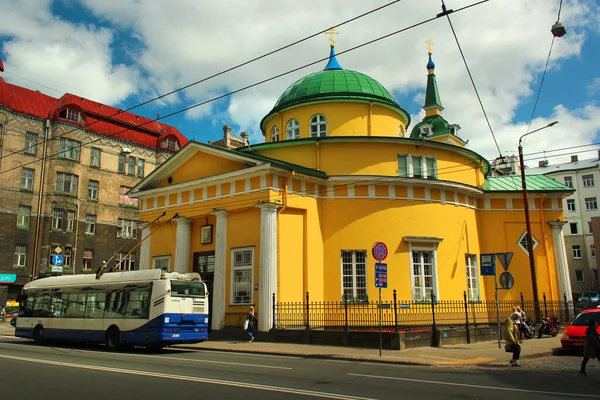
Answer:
(182, 245)
(560, 256)
(220, 277)
(268, 265)
(145, 248)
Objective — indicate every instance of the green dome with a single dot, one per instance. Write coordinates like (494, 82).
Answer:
(336, 85)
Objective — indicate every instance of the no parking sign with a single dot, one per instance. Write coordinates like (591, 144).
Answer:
(380, 251)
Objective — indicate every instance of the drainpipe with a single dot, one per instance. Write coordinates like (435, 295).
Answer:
(285, 191)
(38, 220)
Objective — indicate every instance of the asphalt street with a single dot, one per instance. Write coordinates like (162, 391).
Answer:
(58, 372)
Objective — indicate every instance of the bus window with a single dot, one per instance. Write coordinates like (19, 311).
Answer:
(27, 301)
(41, 305)
(57, 306)
(76, 305)
(95, 305)
(187, 288)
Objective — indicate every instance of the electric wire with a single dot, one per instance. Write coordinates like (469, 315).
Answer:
(539, 92)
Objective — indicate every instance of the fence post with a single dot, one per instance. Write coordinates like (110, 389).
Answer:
(435, 337)
(274, 312)
(522, 302)
(545, 305)
(395, 313)
(566, 308)
(467, 317)
(307, 312)
(346, 309)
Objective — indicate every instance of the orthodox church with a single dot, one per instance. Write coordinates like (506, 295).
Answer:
(338, 172)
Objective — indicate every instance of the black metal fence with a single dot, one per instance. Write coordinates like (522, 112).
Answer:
(398, 315)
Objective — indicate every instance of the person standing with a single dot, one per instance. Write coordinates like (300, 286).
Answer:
(511, 336)
(522, 325)
(591, 348)
(251, 322)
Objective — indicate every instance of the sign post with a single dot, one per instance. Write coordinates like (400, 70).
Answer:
(380, 252)
(488, 268)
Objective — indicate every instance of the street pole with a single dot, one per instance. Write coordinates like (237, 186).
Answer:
(534, 287)
(380, 325)
(497, 308)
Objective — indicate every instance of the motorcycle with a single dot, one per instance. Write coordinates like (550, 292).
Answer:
(528, 329)
(548, 326)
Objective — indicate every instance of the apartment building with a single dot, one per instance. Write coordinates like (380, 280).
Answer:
(66, 165)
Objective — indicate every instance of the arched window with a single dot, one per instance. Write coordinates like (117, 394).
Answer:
(318, 126)
(275, 134)
(292, 129)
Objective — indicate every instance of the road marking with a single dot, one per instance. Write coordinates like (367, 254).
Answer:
(244, 385)
(478, 386)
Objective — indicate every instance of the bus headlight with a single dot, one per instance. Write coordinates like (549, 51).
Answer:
(206, 320)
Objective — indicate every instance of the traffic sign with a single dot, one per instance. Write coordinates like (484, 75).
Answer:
(507, 281)
(7, 279)
(488, 264)
(57, 250)
(381, 275)
(57, 268)
(57, 260)
(380, 251)
(505, 259)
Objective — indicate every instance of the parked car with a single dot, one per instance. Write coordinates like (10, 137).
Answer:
(574, 335)
(593, 297)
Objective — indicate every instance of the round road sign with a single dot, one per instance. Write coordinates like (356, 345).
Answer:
(507, 281)
(380, 251)
(57, 260)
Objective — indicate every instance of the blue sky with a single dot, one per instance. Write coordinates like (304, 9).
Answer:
(123, 52)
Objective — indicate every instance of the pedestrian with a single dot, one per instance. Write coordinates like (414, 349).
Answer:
(522, 324)
(250, 323)
(591, 348)
(511, 336)
(518, 323)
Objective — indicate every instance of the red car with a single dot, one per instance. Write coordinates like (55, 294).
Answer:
(574, 335)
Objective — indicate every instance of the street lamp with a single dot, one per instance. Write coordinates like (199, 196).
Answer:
(528, 223)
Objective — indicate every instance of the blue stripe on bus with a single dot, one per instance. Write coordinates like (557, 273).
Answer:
(181, 328)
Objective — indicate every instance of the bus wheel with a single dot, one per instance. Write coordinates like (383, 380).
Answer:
(38, 335)
(113, 339)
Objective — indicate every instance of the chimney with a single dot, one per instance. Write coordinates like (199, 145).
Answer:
(542, 163)
(574, 159)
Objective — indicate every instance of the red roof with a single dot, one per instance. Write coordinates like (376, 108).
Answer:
(99, 118)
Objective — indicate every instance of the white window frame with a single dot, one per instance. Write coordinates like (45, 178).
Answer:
(92, 193)
(140, 167)
(573, 228)
(23, 217)
(571, 205)
(62, 178)
(591, 203)
(67, 254)
(70, 220)
(522, 243)
(95, 156)
(31, 143)
(241, 268)
(27, 176)
(568, 181)
(418, 161)
(318, 121)
(418, 247)
(69, 149)
(88, 259)
(426, 130)
(20, 255)
(157, 260)
(473, 293)
(275, 134)
(588, 180)
(427, 172)
(131, 165)
(57, 218)
(403, 162)
(354, 264)
(576, 249)
(126, 228)
(90, 224)
(577, 271)
(126, 263)
(292, 129)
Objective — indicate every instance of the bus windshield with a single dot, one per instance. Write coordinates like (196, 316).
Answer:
(187, 288)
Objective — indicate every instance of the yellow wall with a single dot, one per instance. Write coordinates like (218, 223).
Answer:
(292, 252)
(202, 165)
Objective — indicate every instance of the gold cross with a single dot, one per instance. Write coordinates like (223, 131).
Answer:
(331, 32)
(429, 43)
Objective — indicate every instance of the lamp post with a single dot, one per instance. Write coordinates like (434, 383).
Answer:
(534, 287)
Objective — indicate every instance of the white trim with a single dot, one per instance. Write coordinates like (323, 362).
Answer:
(351, 191)
(487, 204)
(433, 248)
(218, 190)
(167, 200)
(371, 192)
(410, 193)
(401, 181)
(205, 193)
(316, 190)
(263, 181)
(191, 196)
(330, 194)
(275, 180)
(509, 204)
(391, 191)
(232, 187)
(248, 186)
(443, 196)
(303, 187)
(428, 195)
(230, 268)
(554, 203)
(179, 198)
(456, 204)
(532, 203)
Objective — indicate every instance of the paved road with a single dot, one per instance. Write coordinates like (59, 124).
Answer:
(29, 371)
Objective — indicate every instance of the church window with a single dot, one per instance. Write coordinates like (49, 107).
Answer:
(416, 166)
(242, 271)
(472, 277)
(426, 131)
(275, 134)
(423, 273)
(318, 126)
(403, 165)
(431, 165)
(293, 129)
(354, 275)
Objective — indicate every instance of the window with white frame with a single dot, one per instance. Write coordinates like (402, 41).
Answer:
(472, 277)
(431, 165)
(88, 259)
(90, 224)
(126, 262)
(93, 190)
(588, 180)
(31, 143)
(71, 115)
(27, 178)
(590, 227)
(70, 220)
(275, 134)
(161, 262)
(426, 130)
(569, 181)
(126, 229)
(69, 149)
(20, 256)
(318, 126)
(242, 272)
(23, 217)
(95, 157)
(417, 166)
(57, 218)
(591, 203)
(354, 275)
(403, 165)
(66, 183)
(140, 167)
(423, 273)
(292, 130)
(171, 144)
(576, 252)
(570, 204)
(67, 254)
(579, 275)
(131, 165)
(573, 228)
(593, 250)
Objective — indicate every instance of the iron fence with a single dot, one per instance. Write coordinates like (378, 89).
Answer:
(403, 315)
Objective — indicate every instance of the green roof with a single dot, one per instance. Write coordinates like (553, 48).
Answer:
(432, 96)
(335, 84)
(534, 183)
(439, 126)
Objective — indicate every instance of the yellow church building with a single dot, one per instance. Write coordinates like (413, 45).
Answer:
(339, 171)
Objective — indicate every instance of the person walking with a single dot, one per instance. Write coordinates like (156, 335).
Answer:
(250, 323)
(522, 324)
(591, 348)
(511, 336)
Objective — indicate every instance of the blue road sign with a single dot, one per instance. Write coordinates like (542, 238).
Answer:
(381, 275)
(488, 264)
(57, 260)
(7, 279)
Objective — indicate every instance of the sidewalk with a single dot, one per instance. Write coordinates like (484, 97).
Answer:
(484, 353)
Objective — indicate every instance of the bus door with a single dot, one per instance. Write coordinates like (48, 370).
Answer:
(74, 310)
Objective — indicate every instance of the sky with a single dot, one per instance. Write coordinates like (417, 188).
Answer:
(125, 52)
